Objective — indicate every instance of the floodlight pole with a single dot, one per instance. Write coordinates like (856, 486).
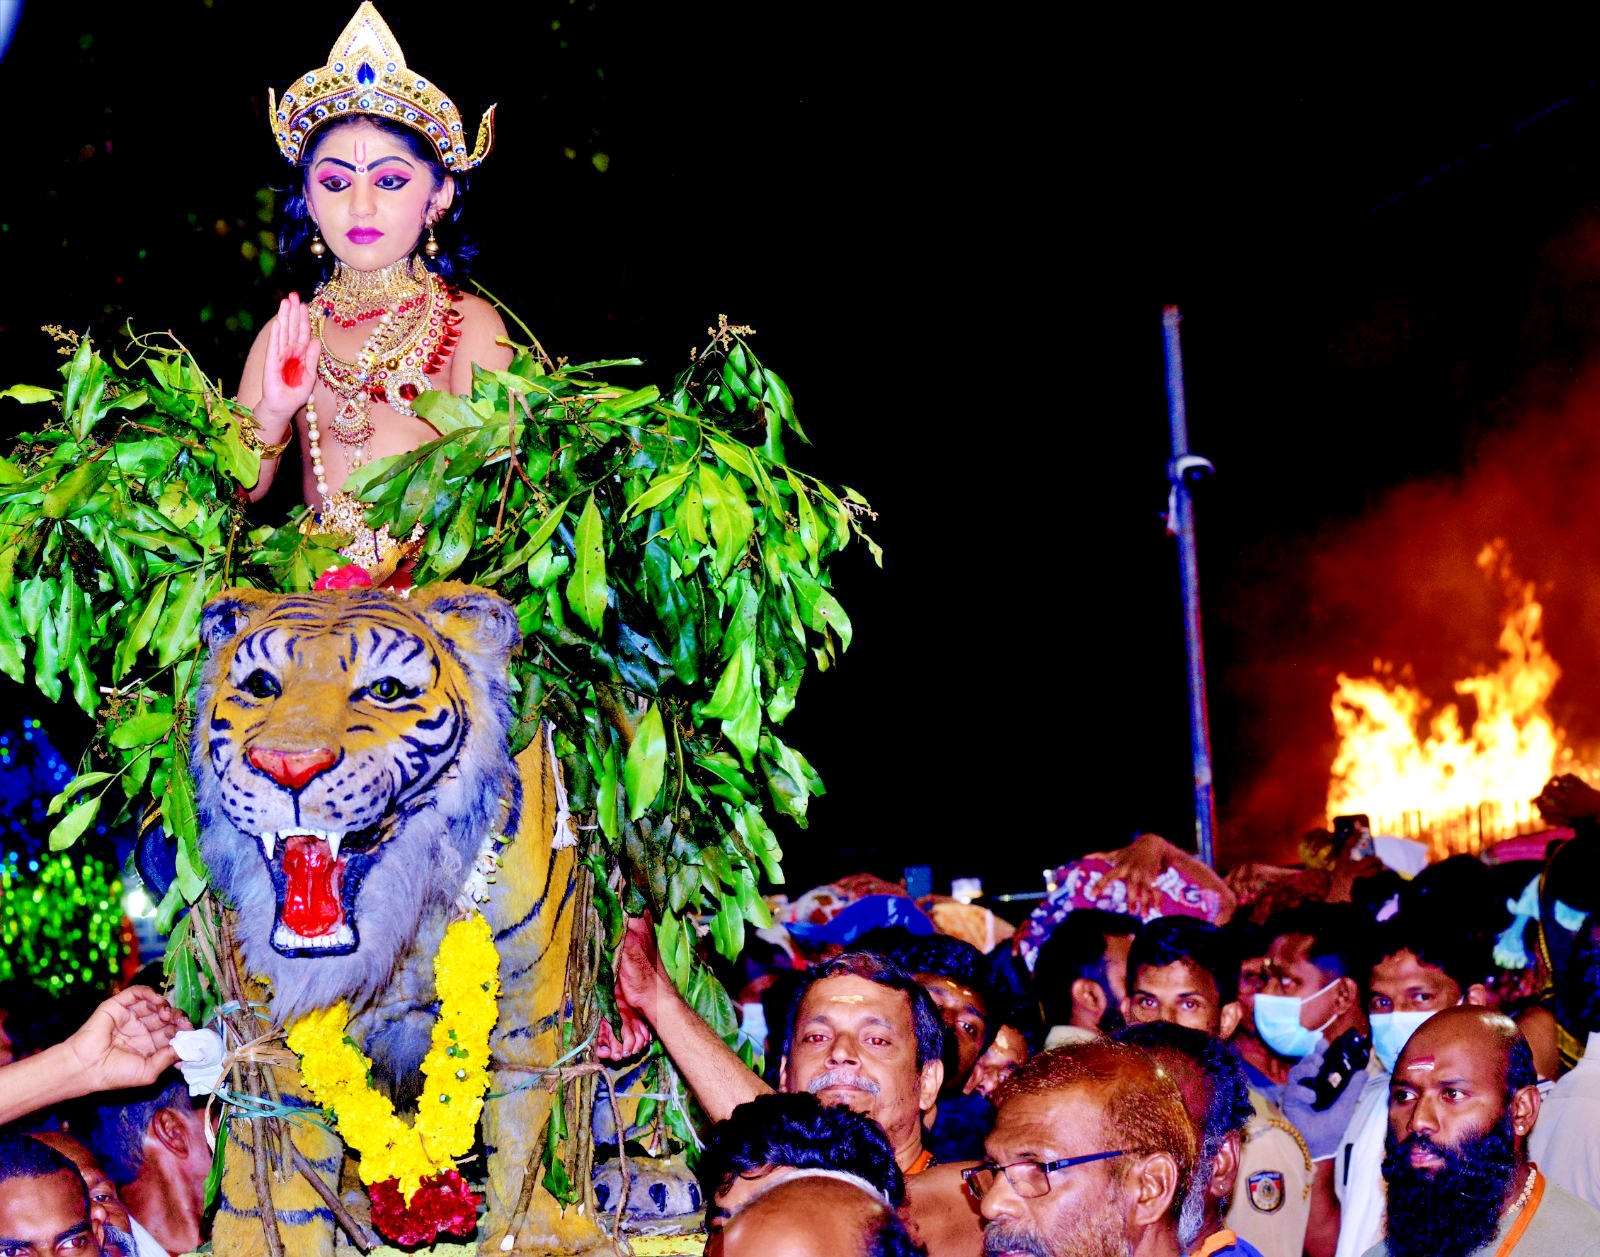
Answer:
(1184, 468)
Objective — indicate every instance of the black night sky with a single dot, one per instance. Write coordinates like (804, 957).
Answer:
(955, 235)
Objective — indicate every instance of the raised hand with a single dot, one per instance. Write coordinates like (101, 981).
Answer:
(1568, 798)
(290, 371)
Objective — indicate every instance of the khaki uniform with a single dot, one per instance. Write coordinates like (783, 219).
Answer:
(1272, 1196)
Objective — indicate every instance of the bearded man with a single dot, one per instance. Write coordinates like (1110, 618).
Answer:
(1463, 1101)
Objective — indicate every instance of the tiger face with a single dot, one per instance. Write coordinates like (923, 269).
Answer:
(349, 751)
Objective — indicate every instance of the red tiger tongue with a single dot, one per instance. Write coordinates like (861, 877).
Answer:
(311, 906)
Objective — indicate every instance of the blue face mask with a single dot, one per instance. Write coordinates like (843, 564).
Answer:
(1278, 1023)
(1392, 1031)
(1390, 1034)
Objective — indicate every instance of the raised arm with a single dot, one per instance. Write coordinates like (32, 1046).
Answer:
(1146, 858)
(126, 1042)
(278, 378)
(713, 1070)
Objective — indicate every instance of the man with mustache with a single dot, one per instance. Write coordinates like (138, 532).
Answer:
(1463, 1101)
(105, 1206)
(861, 1033)
(1091, 1156)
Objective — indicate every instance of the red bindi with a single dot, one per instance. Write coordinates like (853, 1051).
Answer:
(293, 372)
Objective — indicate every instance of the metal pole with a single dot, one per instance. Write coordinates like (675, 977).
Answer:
(1180, 522)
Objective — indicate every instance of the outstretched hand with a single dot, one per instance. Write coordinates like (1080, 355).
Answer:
(127, 1041)
(290, 371)
(639, 970)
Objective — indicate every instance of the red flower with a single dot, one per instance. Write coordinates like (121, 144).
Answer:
(350, 576)
(443, 1205)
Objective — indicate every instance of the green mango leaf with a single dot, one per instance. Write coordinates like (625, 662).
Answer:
(647, 760)
(73, 491)
(586, 588)
(235, 459)
(541, 534)
(183, 827)
(449, 413)
(737, 698)
(85, 685)
(606, 792)
(70, 827)
(11, 661)
(176, 504)
(29, 394)
(617, 407)
(456, 544)
(76, 786)
(141, 729)
(179, 630)
(658, 491)
(819, 608)
(139, 635)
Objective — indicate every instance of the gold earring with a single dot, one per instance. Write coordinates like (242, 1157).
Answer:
(432, 247)
(317, 247)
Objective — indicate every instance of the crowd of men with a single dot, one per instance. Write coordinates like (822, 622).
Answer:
(1400, 1073)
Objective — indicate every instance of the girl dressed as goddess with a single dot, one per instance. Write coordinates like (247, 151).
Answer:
(379, 149)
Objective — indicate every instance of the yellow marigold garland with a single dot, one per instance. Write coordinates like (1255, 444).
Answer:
(456, 1069)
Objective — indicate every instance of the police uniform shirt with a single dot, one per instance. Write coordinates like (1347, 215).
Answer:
(1272, 1195)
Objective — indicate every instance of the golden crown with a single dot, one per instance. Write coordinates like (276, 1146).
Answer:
(367, 74)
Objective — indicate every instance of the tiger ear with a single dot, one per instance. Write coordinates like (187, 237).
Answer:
(474, 619)
(228, 614)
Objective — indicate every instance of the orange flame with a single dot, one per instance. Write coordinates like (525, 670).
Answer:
(1455, 788)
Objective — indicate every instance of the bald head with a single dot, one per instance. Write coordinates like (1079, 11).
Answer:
(802, 1216)
(1489, 1039)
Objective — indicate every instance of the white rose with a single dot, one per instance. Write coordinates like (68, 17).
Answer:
(200, 1054)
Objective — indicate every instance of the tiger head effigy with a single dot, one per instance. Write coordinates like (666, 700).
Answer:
(351, 766)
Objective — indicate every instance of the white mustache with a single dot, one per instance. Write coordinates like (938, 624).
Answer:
(842, 1078)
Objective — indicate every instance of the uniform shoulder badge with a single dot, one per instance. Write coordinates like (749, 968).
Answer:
(1266, 1191)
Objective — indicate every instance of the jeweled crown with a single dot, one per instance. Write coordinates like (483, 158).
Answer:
(367, 74)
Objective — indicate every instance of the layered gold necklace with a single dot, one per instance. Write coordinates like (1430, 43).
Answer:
(412, 308)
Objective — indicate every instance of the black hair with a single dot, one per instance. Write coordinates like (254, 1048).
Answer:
(1169, 940)
(1579, 995)
(24, 1158)
(926, 1022)
(1462, 957)
(119, 1122)
(799, 1131)
(1337, 932)
(1228, 1106)
(1076, 949)
(890, 1238)
(456, 252)
(956, 959)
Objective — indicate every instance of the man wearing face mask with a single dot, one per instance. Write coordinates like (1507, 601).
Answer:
(1423, 966)
(1311, 1013)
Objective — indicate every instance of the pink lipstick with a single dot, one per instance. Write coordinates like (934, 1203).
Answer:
(363, 235)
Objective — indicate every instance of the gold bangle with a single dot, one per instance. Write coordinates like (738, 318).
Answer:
(272, 451)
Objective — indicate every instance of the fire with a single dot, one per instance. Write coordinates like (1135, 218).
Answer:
(1457, 788)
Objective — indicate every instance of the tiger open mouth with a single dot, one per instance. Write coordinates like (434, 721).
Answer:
(316, 874)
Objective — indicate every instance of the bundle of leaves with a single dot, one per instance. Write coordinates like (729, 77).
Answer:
(670, 569)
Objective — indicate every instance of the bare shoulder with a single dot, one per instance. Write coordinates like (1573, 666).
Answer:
(941, 1213)
(478, 316)
(481, 330)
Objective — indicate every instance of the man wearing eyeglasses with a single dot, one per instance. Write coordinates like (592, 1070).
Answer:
(1090, 1156)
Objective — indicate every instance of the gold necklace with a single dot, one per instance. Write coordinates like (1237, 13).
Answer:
(353, 296)
(404, 347)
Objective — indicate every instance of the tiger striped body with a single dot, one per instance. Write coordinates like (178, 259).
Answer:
(349, 752)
